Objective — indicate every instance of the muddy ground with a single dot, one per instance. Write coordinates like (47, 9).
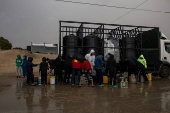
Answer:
(16, 97)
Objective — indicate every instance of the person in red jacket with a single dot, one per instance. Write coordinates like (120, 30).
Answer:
(86, 67)
(76, 65)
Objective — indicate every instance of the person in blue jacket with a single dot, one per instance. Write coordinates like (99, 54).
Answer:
(24, 66)
(98, 67)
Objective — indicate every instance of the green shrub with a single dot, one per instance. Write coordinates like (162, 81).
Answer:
(5, 44)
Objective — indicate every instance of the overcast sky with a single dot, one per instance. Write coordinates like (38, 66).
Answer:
(37, 21)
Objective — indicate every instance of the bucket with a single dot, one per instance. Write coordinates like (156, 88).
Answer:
(52, 80)
(149, 76)
(141, 79)
(39, 80)
(105, 80)
(48, 79)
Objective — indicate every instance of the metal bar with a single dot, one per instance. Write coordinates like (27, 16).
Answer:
(59, 38)
(113, 47)
(106, 24)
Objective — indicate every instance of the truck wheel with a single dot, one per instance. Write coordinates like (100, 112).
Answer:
(164, 72)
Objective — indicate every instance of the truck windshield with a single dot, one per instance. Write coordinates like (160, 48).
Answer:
(167, 47)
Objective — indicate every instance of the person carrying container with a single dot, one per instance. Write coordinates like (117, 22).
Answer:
(24, 66)
(91, 58)
(111, 67)
(18, 63)
(30, 74)
(43, 71)
(76, 67)
(142, 60)
(86, 68)
(99, 66)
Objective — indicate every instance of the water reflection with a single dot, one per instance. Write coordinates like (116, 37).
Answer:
(165, 101)
(19, 87)
(29, 99)
(44, 100)
(64, 98)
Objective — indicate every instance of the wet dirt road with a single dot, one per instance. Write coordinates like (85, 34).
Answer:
(15, 97)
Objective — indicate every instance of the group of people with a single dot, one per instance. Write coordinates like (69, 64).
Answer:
(25, 67)
(88, 66)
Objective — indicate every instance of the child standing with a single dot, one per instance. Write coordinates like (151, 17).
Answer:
(76, 65)
(24, 64)
(18, 63)
(30, 74)
(43, 70)
(86, 67)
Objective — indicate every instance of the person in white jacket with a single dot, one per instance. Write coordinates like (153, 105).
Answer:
(91, 57)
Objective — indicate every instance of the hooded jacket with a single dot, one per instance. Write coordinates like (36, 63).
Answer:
(25, 61)
(90, 58)
(142, 60)
(99, 62)
(68, 61)
(58, 64)
(18, 60)
(111, 63)
(43, 66)
(30, 65)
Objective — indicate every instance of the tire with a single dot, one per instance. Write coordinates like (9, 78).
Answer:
(164, 72)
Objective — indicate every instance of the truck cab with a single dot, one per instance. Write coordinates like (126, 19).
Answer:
(164, 70)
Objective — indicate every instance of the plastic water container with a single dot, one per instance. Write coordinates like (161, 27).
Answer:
(105, 80)
(52, 80)
(122, 84)
(132, 79)
(48, 79)
(149, 76)
(126, 83)
(125, 74)
(39, 80)
(141, 79)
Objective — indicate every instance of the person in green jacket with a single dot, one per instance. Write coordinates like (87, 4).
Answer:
(18, 63)
(142, 60)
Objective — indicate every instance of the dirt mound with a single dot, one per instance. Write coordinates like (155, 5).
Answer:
(7, 60)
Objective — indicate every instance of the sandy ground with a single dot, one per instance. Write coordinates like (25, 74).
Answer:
(7, 61)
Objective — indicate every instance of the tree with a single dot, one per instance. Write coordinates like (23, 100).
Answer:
(5, 44)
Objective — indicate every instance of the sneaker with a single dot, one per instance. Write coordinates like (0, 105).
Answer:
(101, 85)
(17, 77)
(79, 85)
(109, 85)
(115, 86)
(32, 84)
